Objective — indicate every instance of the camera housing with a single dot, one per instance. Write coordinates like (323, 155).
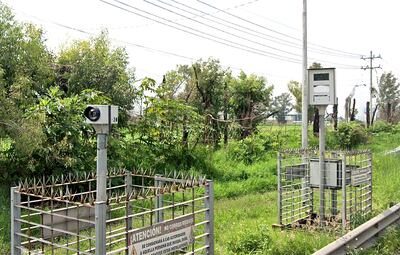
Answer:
(101, 114)
(101, 117)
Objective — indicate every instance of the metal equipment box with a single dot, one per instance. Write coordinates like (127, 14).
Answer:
(333, 173)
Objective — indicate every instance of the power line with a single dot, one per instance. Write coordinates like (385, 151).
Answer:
(163, 52)
(113, 39)
(202, 34)
(150, 23)
(272, 30)
(213, 38)
(313, 59)
(255, 33)
(220, 30)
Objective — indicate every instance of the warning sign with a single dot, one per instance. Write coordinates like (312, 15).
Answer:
(163, 238)
(360, 176)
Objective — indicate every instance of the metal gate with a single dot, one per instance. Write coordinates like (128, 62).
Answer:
(146, 213)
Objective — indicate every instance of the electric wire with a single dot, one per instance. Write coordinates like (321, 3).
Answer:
(220, 30)
(150, 49)
(150, 23)
(313, 59)
(255, 32)
(142, 46)
(113, 39)
(211, 37)
(202, 34)
(272, 30)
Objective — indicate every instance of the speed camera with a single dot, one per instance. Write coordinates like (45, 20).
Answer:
(321, 85)
(101, 114)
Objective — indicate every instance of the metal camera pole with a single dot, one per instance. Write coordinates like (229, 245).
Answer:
(101, 195)
(101, 117)
(321, 110)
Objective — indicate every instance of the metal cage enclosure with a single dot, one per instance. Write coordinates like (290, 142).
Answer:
(347, 188)
(56, 215)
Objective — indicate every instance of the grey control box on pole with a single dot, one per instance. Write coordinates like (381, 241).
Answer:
(101, 117)
(322, 92)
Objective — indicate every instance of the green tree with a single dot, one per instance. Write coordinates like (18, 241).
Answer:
(209, 80)
(295, 89)
(181, 84)
(157, 141)
(26, 71)
(315, 65)
(66, 143)
(94, 64)
(388, 96)
(282, 105)
(24, 59)
(250, 99)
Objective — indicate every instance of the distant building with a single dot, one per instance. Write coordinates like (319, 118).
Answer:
(290, 118)
(293, 117)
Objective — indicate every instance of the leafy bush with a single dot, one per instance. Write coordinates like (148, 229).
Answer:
(349, 135)
(248, 150)
(253, 148)
(273, 141)
(66, 143)
(331, 141)
(381, 126)
(250, 241)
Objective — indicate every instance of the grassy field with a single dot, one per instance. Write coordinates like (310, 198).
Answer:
(246, 200)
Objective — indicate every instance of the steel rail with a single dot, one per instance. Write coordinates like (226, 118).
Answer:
(365, 235)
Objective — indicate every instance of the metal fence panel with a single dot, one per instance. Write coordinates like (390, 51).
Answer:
(55, 215)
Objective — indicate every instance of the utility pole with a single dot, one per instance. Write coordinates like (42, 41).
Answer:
(304, 109)
(370, 67)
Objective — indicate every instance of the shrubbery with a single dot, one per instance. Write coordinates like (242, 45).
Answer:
(248, 150)
(350, 135)
(254, 148)
(381, 126)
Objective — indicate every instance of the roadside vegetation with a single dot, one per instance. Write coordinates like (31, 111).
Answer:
(200, 118)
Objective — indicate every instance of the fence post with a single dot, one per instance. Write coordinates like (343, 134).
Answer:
(128, 191)
(279, 189)
(15, 224)
(344, 198)
(370, 184)
(159, 202)
(209, 203)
